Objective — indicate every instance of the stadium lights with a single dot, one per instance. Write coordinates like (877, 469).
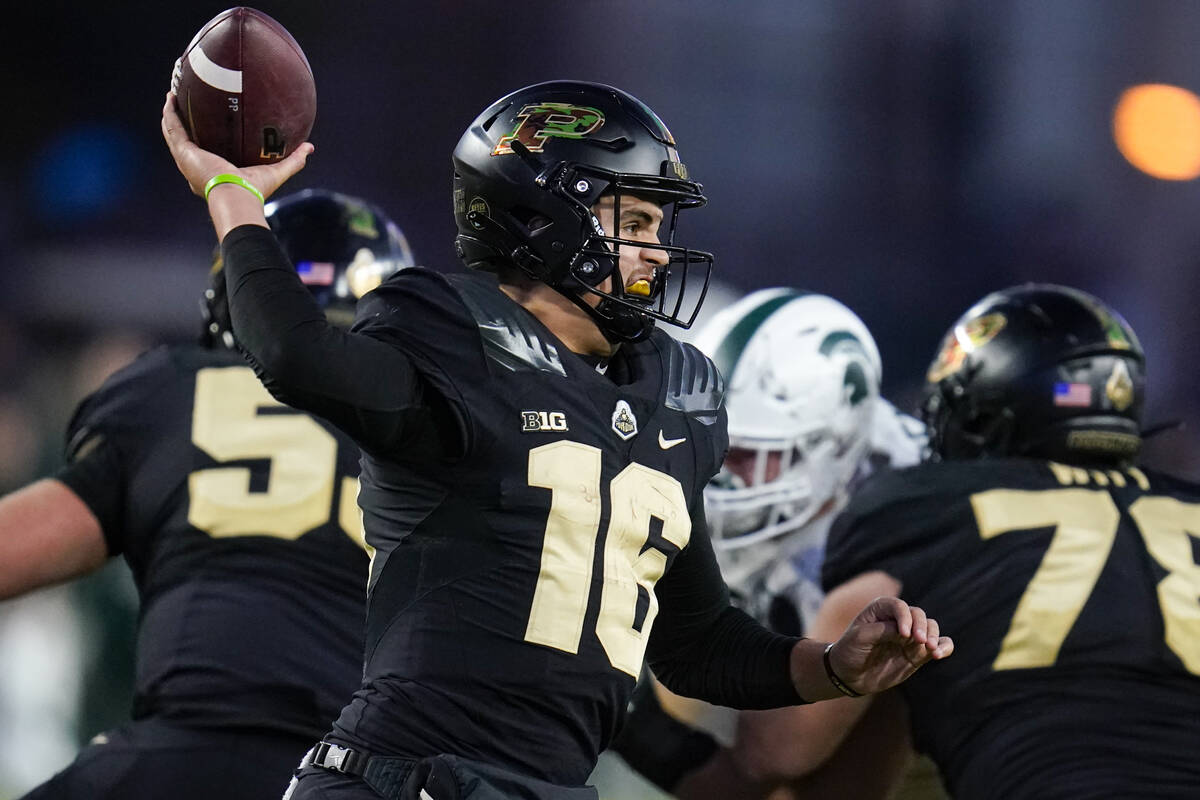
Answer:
(1156, 127)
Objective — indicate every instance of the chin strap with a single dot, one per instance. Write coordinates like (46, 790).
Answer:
(615, 321)
(618, 323)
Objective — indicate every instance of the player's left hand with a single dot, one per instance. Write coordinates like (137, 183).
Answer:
(887, 642)
(198, 165)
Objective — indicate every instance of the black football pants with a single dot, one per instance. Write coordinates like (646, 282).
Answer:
(156, 760)
(438, 778)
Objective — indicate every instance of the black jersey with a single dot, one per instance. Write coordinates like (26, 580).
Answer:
(522, 508)
(1073, 597)
(238, 519)
(537, 549)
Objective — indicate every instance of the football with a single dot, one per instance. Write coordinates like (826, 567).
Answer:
(244, 88)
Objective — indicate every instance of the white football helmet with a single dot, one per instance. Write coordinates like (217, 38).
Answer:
(802, 374)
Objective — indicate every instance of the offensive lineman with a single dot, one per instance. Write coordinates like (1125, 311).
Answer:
(1080, 674)
(237, 518)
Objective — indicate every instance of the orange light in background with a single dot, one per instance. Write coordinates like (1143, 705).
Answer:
(1157, 128)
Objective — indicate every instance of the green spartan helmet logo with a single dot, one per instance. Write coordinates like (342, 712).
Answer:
(538, 122)
(855, 379)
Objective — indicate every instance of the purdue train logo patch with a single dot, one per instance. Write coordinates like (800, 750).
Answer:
(1119, 387)
(624, 423)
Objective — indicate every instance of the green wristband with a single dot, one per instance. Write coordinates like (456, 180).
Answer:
(217, 180)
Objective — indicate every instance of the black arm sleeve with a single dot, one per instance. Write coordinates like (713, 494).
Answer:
(703, 647)
(367, 388)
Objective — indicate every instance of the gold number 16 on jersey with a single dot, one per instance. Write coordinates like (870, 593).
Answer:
(571, 471)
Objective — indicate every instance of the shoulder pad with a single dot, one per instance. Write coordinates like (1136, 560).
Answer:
(694, 386)
(122, 398)
(508, 338)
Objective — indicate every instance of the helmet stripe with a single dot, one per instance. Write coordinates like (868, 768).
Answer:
(734, 343)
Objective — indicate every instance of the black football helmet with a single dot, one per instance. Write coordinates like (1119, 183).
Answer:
(527, 173)
(1037, 370)
(342, 247)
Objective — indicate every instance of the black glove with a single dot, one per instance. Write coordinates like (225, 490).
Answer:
(657, 745)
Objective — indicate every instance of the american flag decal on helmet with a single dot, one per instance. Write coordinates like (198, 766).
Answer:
(1074, 395)
(315, 273)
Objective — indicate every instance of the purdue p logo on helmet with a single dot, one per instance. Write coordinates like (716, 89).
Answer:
(538, 122)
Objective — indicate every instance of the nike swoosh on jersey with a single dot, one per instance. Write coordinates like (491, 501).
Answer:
(667, 444)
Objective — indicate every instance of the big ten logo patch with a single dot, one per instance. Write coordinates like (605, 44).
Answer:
(555, 421)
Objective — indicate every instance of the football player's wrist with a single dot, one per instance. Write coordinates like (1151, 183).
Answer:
(834, 678)
(231, 206)
(232, 180)
(807, 665)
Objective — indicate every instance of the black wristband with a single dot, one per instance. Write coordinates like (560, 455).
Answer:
(837, 682)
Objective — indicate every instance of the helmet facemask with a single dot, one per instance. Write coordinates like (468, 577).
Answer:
(763, 490)
(767, 488)
(622, 314)
(762, 504)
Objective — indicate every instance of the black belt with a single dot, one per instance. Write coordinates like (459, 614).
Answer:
(328, 755)
(384, 774)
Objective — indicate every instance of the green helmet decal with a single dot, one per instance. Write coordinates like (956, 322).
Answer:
(835, 338)
(362, 222)
(1114, 328)
(1115, 331)
(856, 379)
(538, 122)
(734, 343)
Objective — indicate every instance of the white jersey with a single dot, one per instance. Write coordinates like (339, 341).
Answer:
(779, 581)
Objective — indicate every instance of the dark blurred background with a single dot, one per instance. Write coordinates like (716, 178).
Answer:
(904, 157)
